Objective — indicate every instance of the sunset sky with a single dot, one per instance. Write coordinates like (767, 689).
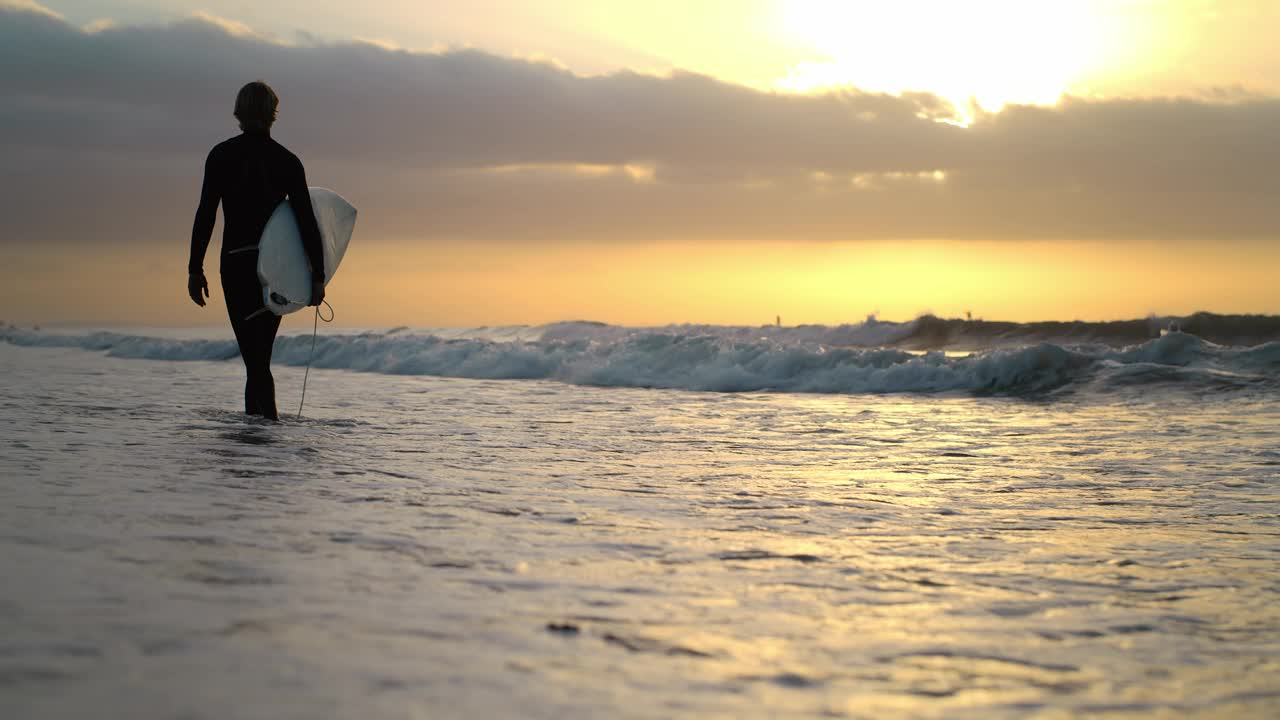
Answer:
(658, 161)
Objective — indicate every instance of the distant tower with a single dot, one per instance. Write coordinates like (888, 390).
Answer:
(968, 315)
(779, 321)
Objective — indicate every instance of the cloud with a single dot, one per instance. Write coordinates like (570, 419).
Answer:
(234, 28)
(104, 133)
(29, 7)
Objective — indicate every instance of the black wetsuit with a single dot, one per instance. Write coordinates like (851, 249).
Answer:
(250, 174)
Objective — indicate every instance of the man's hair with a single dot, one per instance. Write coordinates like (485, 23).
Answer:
(256, 105)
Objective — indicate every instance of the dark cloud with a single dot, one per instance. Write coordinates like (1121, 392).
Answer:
(104, 132)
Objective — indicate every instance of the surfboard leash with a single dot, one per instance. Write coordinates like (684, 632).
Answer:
(315, 327)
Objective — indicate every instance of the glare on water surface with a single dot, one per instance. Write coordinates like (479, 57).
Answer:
(505, 548)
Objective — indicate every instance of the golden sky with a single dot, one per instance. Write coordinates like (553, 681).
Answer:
(995, 50)
(525, 161)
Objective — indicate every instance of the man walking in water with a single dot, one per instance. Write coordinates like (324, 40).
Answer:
(250, 175)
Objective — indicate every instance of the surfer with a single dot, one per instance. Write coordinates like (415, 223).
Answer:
(250, 175)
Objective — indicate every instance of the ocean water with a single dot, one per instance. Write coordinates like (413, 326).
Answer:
(879, 520)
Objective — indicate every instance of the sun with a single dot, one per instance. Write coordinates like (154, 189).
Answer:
(994, 52)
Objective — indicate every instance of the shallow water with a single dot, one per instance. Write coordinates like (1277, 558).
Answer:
(433, 547)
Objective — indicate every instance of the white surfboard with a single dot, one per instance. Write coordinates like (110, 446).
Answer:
(283, 268)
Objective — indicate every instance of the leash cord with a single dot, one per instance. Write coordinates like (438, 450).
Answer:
(315, 327)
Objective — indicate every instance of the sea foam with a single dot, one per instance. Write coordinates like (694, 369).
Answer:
(707, 358)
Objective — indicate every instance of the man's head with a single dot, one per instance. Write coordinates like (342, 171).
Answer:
(256, 105)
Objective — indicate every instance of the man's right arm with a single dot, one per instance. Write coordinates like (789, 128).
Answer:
(206, 215)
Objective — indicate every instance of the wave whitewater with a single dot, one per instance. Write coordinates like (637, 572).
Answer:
(807, 359)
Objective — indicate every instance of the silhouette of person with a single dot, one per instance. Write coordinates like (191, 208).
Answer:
(250, 175)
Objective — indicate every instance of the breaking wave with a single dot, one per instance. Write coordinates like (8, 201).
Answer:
(816, 359)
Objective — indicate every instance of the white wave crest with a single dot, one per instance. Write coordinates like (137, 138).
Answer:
(697, 358)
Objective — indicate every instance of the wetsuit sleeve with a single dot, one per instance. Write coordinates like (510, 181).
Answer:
(300, 199)
(206, 214)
